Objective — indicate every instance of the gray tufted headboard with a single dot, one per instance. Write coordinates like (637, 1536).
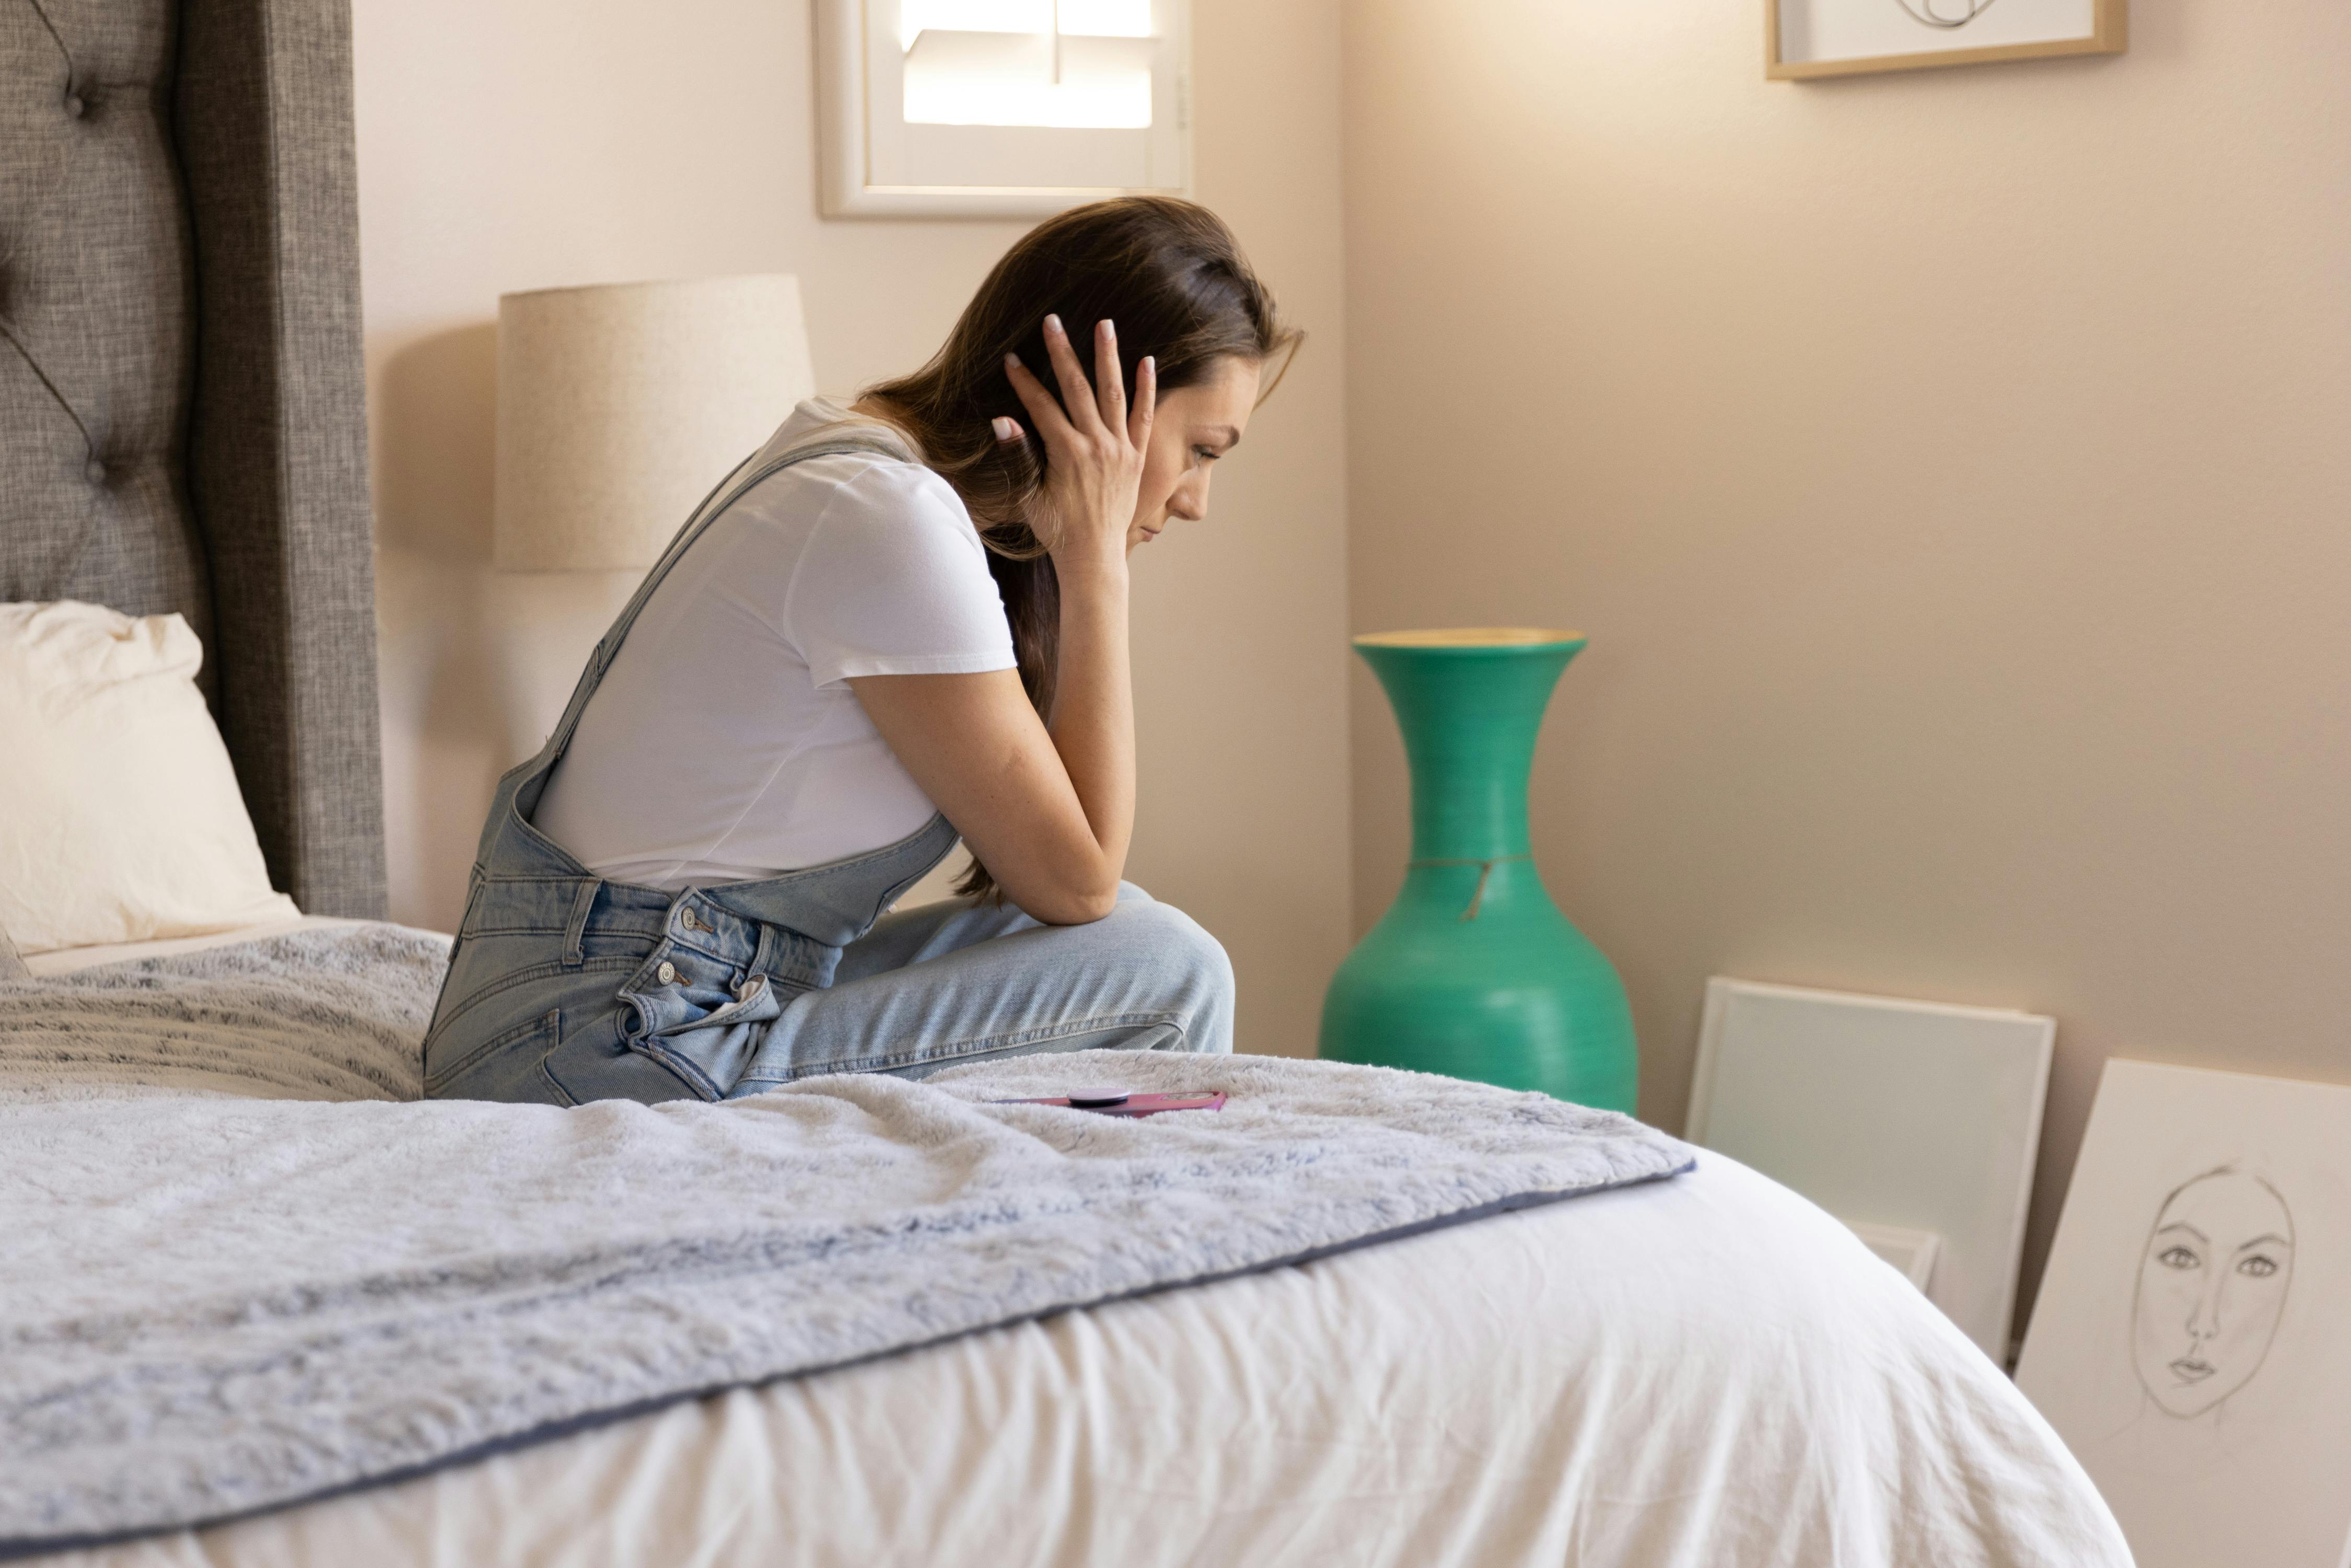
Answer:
(183, 421)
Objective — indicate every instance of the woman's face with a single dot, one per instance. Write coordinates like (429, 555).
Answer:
(2211, 1286)
(1195, 425)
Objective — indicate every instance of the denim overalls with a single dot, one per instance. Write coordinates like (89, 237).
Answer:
(564, 988)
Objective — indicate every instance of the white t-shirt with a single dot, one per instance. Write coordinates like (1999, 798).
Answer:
(724, 743)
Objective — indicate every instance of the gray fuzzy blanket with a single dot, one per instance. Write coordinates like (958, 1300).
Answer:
(217, 1302)
(337, 1013)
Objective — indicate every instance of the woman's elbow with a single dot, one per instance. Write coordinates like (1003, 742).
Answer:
(1070, 905)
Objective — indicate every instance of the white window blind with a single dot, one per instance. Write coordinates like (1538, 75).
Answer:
(1000, 107)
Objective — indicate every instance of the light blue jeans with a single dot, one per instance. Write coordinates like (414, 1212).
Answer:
(568, 989)
(963, 981)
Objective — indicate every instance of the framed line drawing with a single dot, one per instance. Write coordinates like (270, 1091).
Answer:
(1810, 38)
(2188, 1340)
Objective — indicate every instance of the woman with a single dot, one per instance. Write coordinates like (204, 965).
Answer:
(897, 623)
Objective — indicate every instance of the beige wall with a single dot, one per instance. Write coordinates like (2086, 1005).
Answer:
(508, 144)
(1953, 471)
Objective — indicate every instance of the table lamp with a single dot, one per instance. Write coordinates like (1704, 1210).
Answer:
(620, 405)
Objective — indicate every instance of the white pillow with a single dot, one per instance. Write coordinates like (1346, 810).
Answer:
(120, 816)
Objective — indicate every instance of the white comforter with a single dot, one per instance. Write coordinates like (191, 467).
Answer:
(1704, 1372)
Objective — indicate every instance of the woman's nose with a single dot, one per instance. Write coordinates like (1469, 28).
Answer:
(2204, 1321)
(1190, 501)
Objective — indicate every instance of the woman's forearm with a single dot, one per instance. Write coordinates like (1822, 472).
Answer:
(1092, 721)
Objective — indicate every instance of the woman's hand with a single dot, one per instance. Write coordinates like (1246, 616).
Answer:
(1094, 447)
(1047, 804)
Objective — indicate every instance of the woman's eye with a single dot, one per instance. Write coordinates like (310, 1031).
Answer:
(2258, 1267)
(1204, 454)
(2179, 1258)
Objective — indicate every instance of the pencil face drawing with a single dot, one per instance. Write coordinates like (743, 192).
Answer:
(1944, 15)
(2212, 1279)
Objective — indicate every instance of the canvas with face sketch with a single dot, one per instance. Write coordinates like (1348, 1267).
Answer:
(2192, 1338)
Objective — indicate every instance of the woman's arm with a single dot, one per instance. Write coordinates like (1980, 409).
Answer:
(1048, 810)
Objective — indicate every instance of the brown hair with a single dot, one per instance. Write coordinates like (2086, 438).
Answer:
(1172, 277)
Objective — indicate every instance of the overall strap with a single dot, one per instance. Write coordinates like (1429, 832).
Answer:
(722, 495)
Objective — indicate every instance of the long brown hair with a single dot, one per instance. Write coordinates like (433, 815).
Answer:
(1173, 278)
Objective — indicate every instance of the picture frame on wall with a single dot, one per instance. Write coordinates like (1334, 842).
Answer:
(1812, 38)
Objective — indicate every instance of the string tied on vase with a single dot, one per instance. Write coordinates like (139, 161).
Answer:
(1485, 868)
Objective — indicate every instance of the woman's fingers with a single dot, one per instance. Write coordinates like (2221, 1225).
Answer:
(1045, 415)
(1146, 403)
(1094, 443)
(1077, 395)
(1110, 382)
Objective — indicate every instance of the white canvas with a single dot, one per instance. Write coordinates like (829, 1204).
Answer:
(1813, 31)
(2192, 1338)
(1887, 1112)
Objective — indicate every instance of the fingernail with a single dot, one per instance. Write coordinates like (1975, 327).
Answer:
(1109, 327)
(1151, 363)
(1011, 362)
(1004, 429)
(1052, 323)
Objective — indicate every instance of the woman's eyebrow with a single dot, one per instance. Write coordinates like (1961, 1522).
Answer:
(2273, 1239)
(1232, 438)
(2183, 1225)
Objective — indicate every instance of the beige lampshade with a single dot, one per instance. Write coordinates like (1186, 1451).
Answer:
(620, 405)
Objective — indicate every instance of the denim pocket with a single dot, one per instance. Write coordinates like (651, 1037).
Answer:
(521, 1046)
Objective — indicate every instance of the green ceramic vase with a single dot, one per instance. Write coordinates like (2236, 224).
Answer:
(1474, 972)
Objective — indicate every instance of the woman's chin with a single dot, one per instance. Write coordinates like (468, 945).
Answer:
(2185, 1393)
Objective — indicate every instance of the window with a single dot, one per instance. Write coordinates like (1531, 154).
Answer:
(999, 107)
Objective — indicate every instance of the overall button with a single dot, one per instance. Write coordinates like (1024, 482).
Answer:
(74, 106)
(94, 471)
(667, 973)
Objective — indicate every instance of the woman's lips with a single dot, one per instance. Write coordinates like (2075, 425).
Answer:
(2189, 1369)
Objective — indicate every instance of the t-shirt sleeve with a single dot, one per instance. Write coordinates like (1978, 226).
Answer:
(895, 581)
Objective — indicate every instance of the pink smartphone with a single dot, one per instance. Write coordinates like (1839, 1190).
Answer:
(1118, 1102)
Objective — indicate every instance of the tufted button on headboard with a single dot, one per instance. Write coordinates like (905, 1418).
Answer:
(182, 423)
(94, 272)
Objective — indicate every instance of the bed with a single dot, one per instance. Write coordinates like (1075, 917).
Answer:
(1699, 1370)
